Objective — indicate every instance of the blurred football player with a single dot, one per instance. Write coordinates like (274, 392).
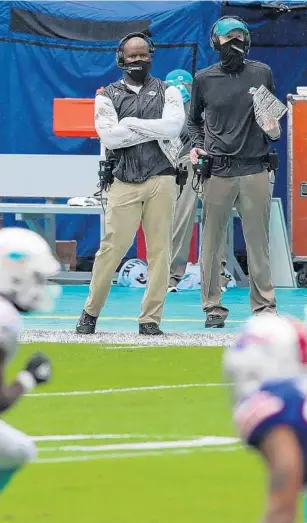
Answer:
(26, 262)
(266, 368)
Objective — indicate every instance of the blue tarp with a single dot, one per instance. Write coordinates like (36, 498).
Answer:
(66, 49)
(37, 68)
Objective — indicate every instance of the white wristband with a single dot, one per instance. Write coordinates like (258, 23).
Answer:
(26, 380)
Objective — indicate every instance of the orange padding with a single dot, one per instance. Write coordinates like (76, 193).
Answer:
(74, 117)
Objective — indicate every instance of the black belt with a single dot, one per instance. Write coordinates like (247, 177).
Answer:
(228, 161)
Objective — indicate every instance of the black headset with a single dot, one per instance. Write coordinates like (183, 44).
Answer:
(214, 39)
(120, 49)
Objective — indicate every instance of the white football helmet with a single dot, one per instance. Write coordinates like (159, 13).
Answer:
(269, 347)
(26, 262)
(133, 273)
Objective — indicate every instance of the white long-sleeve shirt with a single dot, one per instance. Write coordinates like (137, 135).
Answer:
(131, 130)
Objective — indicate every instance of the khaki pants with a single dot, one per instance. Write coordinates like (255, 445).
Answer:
(184, 220)
(251, 195)
(152, 203)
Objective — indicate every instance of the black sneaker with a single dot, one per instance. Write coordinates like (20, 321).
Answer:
(86, 324)
(150, 329)
(214, 321)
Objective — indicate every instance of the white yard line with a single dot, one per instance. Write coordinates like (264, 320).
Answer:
(206, 441)
(83, 437)
(145, 453)
(95, 437)
(126, 389)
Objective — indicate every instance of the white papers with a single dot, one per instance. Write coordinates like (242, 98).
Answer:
(171, 149)
(267, 106)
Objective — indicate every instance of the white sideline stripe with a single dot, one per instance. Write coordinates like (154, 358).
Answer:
(137, 347)
(82, 437)
(130, 347)
(206, 441)
(124, 455)
(126, 389)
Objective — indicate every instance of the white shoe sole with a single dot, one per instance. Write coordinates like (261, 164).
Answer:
(172, 289)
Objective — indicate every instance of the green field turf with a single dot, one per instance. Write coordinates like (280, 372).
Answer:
(84, 481)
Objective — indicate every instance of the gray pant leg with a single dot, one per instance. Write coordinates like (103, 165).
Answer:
(184, 220)
(222, 253)
(254, 204)
(219, 195)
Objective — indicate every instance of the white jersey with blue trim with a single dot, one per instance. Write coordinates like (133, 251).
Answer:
(10, 327)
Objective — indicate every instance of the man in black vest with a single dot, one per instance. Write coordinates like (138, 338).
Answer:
(139, 119)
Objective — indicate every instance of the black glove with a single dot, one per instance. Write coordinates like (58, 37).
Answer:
(40, 368)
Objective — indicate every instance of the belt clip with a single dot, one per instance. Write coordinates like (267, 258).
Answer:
(227, 161)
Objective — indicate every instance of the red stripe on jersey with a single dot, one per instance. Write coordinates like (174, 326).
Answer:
(301, 341)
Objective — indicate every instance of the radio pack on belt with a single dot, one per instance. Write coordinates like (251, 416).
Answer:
(105, 174)
(273, 161)
(203, 168)
(182, 174)
(202, 171)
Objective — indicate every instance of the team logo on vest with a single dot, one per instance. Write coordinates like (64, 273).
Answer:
(152, 93)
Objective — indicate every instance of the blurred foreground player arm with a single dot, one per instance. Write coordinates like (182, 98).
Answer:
(38, 369)
(26, 263)
(282, 453)
(263, 423)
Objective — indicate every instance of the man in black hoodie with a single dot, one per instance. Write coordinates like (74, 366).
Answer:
(222, 124)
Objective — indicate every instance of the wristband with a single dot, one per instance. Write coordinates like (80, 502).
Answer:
(26, 380)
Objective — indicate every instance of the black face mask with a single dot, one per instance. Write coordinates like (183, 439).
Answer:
(140, 73)
(232, 59)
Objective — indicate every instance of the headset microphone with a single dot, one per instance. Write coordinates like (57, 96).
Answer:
(131, 67)
(237, 49)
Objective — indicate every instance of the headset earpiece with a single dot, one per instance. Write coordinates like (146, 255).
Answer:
(120, 49)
